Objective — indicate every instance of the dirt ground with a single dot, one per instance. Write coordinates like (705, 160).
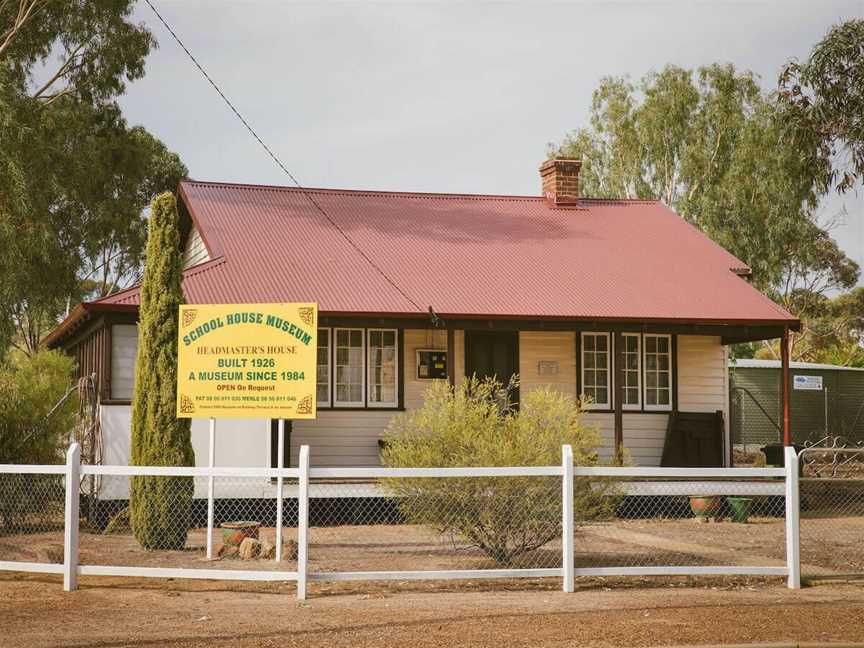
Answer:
(828, 546)
(130, 612)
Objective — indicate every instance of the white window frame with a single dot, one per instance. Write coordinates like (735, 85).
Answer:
(326, 402)
(334, 355)
(658, 408)
(637, 406)
(368, 376)
(609, 357)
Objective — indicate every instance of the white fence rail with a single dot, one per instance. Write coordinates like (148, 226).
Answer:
(367, 494)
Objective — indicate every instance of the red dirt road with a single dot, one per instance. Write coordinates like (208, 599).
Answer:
(113, 613)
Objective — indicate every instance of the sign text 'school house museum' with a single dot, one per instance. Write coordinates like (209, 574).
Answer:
(621, 300)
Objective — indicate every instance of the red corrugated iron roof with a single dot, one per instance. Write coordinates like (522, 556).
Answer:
(463, 255)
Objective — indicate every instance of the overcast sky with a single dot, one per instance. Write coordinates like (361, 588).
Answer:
(433, 96)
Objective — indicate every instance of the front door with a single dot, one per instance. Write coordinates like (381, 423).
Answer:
(493, 354)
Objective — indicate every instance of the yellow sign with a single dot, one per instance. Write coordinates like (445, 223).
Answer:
(247, 361)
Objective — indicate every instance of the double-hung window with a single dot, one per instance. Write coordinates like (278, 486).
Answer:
(358, 367)
(596, 373)
(383, 368)
(632, 366)
(658, 372)
(646, 371)
(349, 377)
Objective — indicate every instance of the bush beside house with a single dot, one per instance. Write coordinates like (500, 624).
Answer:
(473, 424)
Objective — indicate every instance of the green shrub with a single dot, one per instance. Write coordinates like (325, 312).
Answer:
(30, 386)
(473, 425)
(160, 507)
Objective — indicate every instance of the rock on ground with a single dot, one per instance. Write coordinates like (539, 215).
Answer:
(249, 548)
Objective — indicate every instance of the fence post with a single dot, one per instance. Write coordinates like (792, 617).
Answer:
(211, 462)
(280, 463)
(793, 527)
(70, 524)
(567, 519)
(302, 521)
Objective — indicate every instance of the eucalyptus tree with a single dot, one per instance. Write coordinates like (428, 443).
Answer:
(713, 146)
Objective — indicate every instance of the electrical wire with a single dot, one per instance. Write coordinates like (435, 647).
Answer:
(279, 163)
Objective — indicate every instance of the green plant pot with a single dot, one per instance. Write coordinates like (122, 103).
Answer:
(740, 507)
(706, 506)
(233, 533)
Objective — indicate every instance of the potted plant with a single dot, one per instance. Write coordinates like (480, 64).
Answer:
(706, 506)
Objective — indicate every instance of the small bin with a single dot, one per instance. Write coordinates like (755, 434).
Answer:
(775, 454)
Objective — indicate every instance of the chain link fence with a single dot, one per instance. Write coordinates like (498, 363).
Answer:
(244, 508)
(31, 517)
(832, 512)
(435, 524)
(400, 524)
(686, 523)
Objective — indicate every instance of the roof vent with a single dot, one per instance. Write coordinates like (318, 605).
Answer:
(560, 177)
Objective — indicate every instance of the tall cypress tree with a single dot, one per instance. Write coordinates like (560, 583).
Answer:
(160, 507)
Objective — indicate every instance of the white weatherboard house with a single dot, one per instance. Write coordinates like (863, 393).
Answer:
(621, 300)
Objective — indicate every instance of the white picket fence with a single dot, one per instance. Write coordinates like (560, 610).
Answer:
(777, 482)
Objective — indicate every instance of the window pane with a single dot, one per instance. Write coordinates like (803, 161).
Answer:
(588, 342)
(650, 344)
(663, 397)
(602, 396)
(651, 397)
(349, 367)
(382, 367)
(589, 360)
(601, 342)
(323, 376)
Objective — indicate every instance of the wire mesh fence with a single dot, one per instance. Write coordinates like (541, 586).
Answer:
(420, 523)
(685, 523)
(493, 523)
(436, 523)
(832, 512)
(31, 517)
(171, 525)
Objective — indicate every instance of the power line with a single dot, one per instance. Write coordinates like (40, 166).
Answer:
(279, 163)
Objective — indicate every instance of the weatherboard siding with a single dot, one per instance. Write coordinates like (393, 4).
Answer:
(550, 348)
(350, 437)
(701, 374)
(195, 251)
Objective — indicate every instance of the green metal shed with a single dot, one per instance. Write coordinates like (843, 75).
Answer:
(825, 400)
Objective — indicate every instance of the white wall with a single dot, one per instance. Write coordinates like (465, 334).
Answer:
(350, 437)
(195, 251)
(701, 374)
(239, 442)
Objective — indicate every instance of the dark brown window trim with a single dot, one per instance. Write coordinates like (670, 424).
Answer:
(613, 352)
(400, 374)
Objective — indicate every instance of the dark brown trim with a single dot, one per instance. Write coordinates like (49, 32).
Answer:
(107, 361)
(674, 376)
(578, 362)
(115, 401)
(451, 356)
(618, 377)
(358, 408)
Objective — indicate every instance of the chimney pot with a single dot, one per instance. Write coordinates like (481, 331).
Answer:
(560, 180)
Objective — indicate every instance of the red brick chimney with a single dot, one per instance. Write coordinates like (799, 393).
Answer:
(560, 177)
